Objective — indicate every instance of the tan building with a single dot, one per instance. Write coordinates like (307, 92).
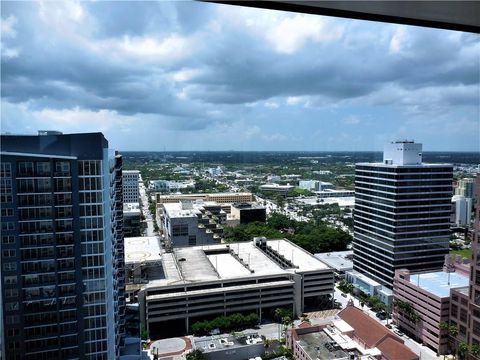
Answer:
(221, 198)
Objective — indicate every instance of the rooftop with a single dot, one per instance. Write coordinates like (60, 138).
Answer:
(215, 343)
(337, 260)
(229, 261)
(314, 344)
(439, 283)
(142, 249)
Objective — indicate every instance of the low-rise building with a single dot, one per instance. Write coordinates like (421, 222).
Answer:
(132, 217)
(257, 276)
(339, 261)
(284, 189)
(221, 198)
(422, 302)
(231, 347)
(364, 284)
(245, 213)
(189, 223)
(315, 185)
(351, 335)
(170, 186)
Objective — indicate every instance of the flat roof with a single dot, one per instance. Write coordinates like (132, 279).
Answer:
(381, 164)
(337, 261)
(176, 210)
(142, 249)
(439, 283)
(219, 342)
(213, 262)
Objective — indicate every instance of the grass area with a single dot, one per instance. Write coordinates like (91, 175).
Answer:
(466, 253)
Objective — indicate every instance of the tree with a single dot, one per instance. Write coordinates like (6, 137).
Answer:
(475, 350)
(143, 333)
(196, 354)
(463, 348)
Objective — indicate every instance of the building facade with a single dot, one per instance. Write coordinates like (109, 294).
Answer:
(131, 190)
(466, 187)
(207, 281)
(402, 213)
(465, 302)
(221, 198)
(461, 210)
(429, 297)
(62, 278)
(191, 224)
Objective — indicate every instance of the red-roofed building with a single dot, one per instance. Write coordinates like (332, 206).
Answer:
(354, 333)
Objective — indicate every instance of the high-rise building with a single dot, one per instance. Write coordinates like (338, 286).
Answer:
(131, 190)
(461, 210)
(466, 187)
(62, 258)
(402, 213)
(465, 303)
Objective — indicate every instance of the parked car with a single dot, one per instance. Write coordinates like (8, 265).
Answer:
(381, 315)
(398, 332)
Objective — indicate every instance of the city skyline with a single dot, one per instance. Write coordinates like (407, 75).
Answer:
(197, 76)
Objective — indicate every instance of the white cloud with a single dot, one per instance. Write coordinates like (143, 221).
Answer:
(271, 104)
(186, 74)
(290, 34)
(8, 53)
(293, 100)
(77, 119)
(399, 40)
(7, 27)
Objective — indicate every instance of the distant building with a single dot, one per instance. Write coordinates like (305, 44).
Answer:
(402, 213)
(131, 190)
(273, 179)
(170, 186)
(221, 198)
(330, 193)
(245, 213)
(351, 335)
(466, 187)
(339, 261)
(231, 347)
(284, 189)
(132, 219)
(364, 284)
(429, 296)
(190, 224)
(256, 276)
(461, 210)
(315, 185)
(215, 171)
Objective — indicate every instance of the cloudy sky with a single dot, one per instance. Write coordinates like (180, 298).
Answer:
(188, 76)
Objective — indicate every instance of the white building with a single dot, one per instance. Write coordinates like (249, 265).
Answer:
(462, 210)
(131, 192)
(402, 213)
(255, 276)
(315, 185)
(277, 188)
(170, 186)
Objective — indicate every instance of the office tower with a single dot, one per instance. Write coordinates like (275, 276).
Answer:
(131, 191)
(62, 279)
(402, 213)
(466, 187)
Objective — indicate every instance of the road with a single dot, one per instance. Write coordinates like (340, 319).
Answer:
(146, 211)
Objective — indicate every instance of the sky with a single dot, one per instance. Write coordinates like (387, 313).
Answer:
(184, 75)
